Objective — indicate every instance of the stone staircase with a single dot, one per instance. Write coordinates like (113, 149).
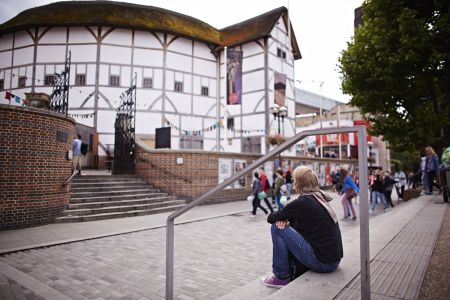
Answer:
(97, 197)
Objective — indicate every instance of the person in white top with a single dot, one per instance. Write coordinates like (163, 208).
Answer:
(400, 182)
(423, 168)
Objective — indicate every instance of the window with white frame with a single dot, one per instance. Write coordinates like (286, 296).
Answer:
(49, 80)
(2, 84)
(147, 82)
(205, 91)
(22, 81)
(80, 79)
(191, 142)
(114, 80)
(178, 86)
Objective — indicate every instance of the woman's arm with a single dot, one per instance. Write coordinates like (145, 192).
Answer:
(290, 211)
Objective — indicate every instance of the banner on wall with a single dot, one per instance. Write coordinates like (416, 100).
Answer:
(234, 77)
(225, 169)
(239, 165)
(280, 89)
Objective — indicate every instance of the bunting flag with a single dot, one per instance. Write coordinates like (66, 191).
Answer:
(18, 99)
(212, 128)
(82, 116)
(8, 96)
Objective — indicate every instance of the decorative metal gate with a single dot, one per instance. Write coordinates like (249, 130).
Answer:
(124, 147)
(60, 95)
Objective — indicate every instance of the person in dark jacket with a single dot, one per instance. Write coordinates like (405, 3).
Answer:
(307, 228)
(378, 193)
(432, 170)
(257, 188)
(388, 185)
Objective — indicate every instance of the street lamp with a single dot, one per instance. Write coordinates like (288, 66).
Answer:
(279, 113)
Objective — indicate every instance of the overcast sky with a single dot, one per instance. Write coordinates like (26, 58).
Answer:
(322, 28)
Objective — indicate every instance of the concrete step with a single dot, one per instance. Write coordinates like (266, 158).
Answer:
(111, 179)
(120, 208)
(107, 184)
(116, 198)
(120, 202)
(109, 187)
(71, 219)
(121, 192)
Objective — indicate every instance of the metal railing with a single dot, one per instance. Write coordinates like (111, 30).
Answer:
(363, 208)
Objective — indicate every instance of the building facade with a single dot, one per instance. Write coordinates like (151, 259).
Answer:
(179, 65)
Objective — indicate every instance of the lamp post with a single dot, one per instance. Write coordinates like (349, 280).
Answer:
(279, 113)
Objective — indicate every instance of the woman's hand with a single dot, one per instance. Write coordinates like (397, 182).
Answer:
(282, 224)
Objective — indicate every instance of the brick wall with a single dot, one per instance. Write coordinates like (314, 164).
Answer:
(33, 165)
(199, 171)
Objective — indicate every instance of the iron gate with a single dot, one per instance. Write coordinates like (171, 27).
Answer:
(59, 99)
(124, 146)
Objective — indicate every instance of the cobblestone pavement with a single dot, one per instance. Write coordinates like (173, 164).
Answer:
(212, 257)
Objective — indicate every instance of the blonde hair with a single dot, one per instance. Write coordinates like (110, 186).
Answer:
(305, 181)
(429, 151)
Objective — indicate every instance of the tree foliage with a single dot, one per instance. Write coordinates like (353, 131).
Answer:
(397, 70)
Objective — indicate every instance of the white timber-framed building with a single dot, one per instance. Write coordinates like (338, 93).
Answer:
(178, 61)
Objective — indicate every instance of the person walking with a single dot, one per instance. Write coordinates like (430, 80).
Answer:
(256, 202)
(432, 169)
(279, 181)
(307, 228)
(400, 182)
(378, 193)
(76, 154)
(265, 186)
(388, 186)
(349, 190)
(288, 178)
(423, 168)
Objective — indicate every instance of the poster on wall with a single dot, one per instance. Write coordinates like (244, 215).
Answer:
(280, 89)
(234, 77)
(239, 165)
(225, 169)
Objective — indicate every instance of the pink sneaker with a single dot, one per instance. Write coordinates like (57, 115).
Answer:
(275, 282)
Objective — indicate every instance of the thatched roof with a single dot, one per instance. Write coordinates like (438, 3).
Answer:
(134, 16)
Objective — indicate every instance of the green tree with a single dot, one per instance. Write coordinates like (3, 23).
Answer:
(396, 68)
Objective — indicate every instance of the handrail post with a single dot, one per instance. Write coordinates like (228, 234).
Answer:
(169, 258)
(364, 246)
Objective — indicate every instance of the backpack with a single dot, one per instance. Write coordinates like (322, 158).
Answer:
(84, 148)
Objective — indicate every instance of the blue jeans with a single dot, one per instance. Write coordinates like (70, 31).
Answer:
(288, 240)
(375, 196)
(278, 200)
(289, 188)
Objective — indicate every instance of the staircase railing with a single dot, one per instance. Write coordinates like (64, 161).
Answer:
(364, 217)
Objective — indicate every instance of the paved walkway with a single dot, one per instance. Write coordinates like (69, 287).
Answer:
(218, 250)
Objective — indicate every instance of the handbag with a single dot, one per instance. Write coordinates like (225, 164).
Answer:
(350, 194)
(262, 195)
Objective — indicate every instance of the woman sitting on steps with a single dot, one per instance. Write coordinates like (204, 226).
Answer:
(307, 228)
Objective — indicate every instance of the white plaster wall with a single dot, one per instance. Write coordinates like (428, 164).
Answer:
(83, 53)
(202, 105)
(253, 48)
(201, 50)
(114, 54)
(82, 35)
(254, 103)
(181, 45)
(5, 59)
(104, 75)
(146, 39)
(6, 41)
(50, 54)
(253, 62)
(22, 38)
(253, 81)
(146, 122)
(178, 62)
(118, 37)
(181, 102)
(105, 121)
(158, 79)
(55, 35)
(205, 67)
(90, 76)
(147, 57)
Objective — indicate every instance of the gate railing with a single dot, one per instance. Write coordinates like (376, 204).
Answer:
(124, 128)
(363, 208)
(59, 99)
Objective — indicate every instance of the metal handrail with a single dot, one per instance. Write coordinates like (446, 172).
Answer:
(364, 217)
(70, 178)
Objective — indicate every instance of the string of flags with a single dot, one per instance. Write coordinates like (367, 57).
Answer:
(82, 116)
(211, 128)
(11, 97)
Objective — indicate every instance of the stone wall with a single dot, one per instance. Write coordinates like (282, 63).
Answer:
(199, 173)
(33, 165)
